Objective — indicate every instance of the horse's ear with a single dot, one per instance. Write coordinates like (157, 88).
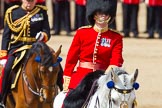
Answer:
(114, 76)
(134, 76)
(58, 51)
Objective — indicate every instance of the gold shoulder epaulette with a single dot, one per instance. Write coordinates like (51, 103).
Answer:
(9, 10)
(115, 31)
(43, 7)
(12, 8)
(88, 26)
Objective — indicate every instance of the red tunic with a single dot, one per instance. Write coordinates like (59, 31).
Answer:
(131, 1)
(154, 2)
(109, 52)
(80, 2)
(40, 1)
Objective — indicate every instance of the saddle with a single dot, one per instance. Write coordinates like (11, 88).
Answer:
(16, 68)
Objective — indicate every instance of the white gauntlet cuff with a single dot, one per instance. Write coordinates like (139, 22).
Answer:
(66, 83)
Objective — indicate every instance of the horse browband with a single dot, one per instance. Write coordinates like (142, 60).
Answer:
(123, 91)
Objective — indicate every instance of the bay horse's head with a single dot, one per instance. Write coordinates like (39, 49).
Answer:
(41, 70)
(122, 85)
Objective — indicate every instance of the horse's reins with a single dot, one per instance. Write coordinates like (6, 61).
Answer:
(122, 91)
(29, 85)
(90, 93)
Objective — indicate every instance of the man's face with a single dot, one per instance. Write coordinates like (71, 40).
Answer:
(29, 4)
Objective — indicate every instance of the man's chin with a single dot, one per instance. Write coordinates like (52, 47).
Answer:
(29, 8)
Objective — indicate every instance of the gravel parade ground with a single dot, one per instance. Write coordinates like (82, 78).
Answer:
(144, 54)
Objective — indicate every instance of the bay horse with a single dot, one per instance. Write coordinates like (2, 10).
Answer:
(113, 90)
(36, 84)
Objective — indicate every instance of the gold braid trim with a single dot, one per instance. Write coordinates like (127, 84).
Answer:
(16, 79)
(22, 50)
(20, 25)
(9, 10)
(17, 25)
(8, 19)
(88, 26)
(25, 47)
(17, 60)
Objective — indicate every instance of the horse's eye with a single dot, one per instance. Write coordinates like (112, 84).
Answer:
(50, 68)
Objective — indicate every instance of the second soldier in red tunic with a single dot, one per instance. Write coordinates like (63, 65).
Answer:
(95, 47)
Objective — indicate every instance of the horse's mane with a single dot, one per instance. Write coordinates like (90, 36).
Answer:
(102, 89)
(42, 50)
(77, 97)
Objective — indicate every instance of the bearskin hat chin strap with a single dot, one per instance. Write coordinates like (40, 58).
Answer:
(101, 20)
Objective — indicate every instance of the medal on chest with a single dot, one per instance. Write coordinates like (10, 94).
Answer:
(105, 42)
(37, 17)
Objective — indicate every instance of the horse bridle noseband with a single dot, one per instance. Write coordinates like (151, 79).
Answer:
(122, 91)
(39, 91)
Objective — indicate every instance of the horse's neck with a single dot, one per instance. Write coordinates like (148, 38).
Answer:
(100, 98)
(103, 90)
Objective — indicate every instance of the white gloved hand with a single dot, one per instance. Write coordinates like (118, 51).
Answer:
(3, 62)
(39, 36)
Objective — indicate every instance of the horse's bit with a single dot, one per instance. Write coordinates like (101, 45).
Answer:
(39, 92)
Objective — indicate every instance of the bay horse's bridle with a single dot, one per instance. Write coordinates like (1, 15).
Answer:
(39, 90)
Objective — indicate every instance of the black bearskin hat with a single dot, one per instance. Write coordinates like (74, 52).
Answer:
(107, 7)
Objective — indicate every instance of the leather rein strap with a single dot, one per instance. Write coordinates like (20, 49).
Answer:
(90, 94)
